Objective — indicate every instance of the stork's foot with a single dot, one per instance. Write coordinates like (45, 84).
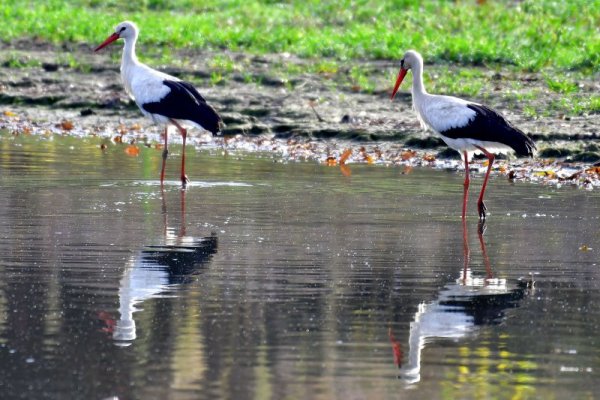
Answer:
(482, 209)
(184, 181)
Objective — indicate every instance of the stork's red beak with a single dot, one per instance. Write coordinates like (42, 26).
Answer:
(401, 76)
(108, 41)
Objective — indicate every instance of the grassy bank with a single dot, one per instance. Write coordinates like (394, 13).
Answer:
(558, 40)
(530, 34)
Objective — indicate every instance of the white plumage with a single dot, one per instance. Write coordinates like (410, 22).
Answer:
(164, 98)
(465, 126)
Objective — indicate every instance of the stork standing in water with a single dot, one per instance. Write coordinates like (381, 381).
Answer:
(164, 98)
(465, 126)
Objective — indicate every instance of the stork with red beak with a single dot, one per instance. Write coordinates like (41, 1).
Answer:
(465, 126)
(164, 98)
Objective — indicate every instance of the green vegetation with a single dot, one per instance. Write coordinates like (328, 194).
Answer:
(531, 36)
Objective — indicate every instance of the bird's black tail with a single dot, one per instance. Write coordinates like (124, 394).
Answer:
(209, 119)
(503, 131)
(522, 144)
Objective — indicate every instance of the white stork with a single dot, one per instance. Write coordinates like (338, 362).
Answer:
(162, 97)
(465, 126)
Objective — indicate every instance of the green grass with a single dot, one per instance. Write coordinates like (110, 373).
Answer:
(530, 35)
(559, 40)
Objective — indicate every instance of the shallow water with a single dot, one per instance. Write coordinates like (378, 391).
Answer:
(274, 280)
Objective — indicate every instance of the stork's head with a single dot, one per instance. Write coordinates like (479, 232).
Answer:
(125, 30)
(410, 60)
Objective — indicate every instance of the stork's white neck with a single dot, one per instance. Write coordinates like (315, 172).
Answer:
(418, 89)
(129, 62)
(129, 56)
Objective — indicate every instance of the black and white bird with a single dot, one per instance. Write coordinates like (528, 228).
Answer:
(162, 97)
(465, 126)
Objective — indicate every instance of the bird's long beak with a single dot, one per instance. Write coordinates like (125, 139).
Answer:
(401, 76)
(108, 41)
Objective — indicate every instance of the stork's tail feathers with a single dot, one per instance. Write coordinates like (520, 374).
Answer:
(503, 131)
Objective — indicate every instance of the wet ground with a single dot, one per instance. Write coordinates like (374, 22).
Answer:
(323, 116)
(277, 279)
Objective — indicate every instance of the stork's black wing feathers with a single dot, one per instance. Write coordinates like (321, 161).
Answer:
(490, 126)
(185, 103)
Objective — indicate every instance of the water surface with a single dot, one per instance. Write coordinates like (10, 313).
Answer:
(273, 280)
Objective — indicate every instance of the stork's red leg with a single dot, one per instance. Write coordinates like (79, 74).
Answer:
(165, 153)
(480, 205)
(183, 131)
(466, 186)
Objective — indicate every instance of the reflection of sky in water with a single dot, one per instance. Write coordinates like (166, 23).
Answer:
(311, 272)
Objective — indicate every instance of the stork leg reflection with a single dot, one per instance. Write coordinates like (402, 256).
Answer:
(481, 227)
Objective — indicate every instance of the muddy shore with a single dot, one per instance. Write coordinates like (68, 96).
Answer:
(308, 116)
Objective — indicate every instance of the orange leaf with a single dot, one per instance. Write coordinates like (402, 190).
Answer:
(118, 139)
(593, 170)
(345, 156)
(407, 155)
(429, 157)
(368, 159)
(331, 161)
(136, 127)
(66, 125)
(132, 150)
(9, 113)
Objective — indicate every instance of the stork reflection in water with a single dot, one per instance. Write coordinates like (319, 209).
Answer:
(158, 269)
(458, 311)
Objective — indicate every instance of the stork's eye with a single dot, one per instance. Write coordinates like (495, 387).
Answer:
(122, 29)
(402, 63)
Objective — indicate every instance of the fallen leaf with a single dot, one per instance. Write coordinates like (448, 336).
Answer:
(593, 170)
(118, 139)
(9, 113)
(66, 125)
(548, 173)
(103, 146)
(132, 150)
(366, 157)
(585, 248)
(429, 157)
(407, 155)
(331, 161)
(345, 155)
(136, 127)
